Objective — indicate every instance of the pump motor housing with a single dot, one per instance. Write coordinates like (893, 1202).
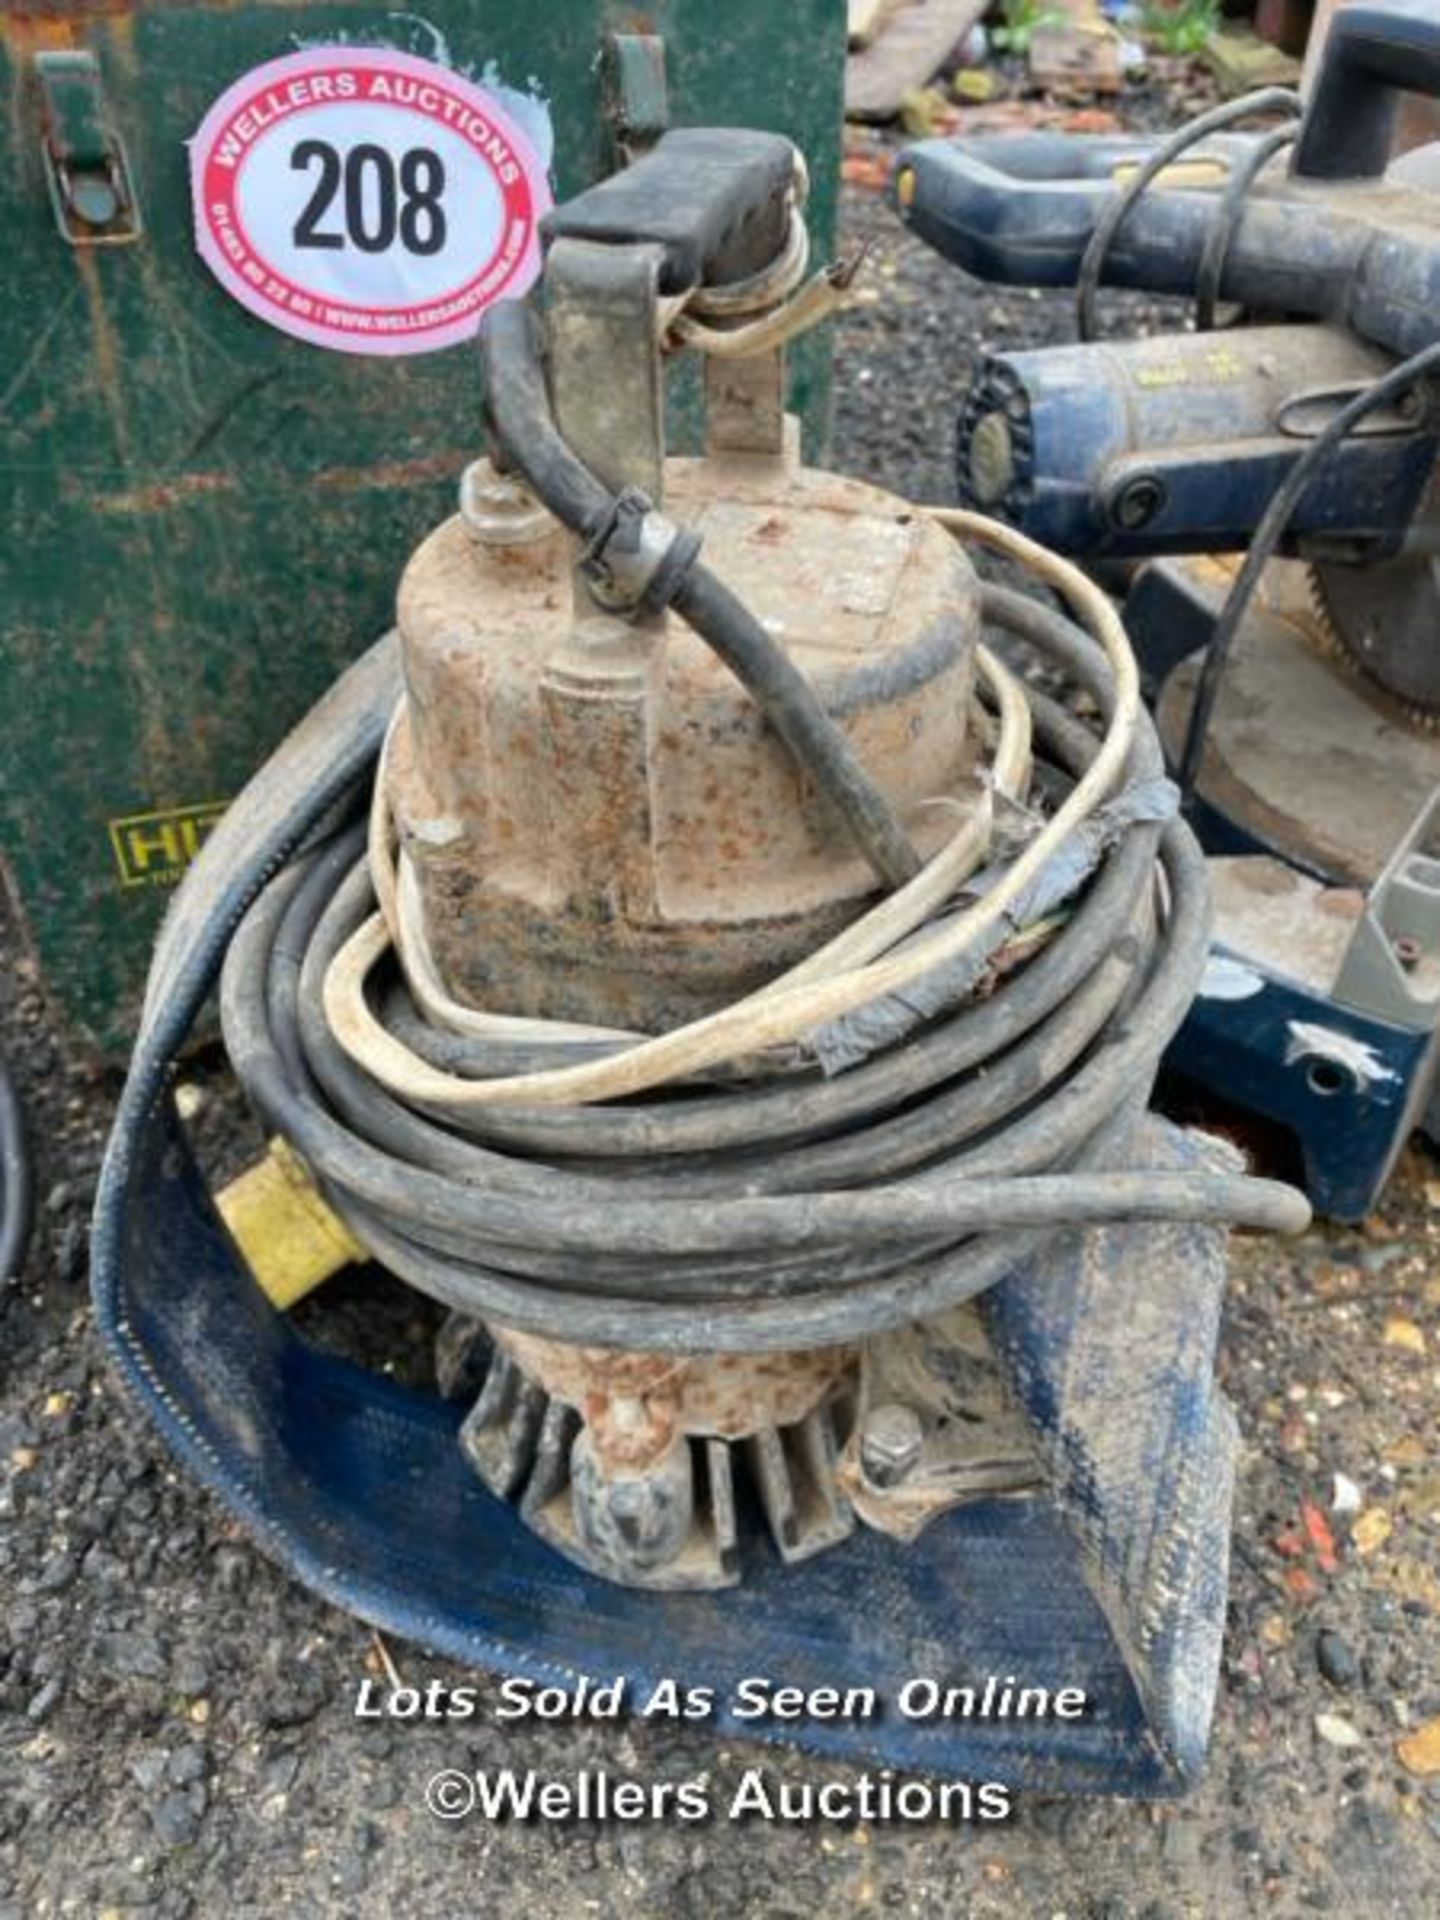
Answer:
(602, 825)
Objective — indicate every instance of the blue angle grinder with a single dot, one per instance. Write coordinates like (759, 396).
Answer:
(1275, 472)
(688, 956)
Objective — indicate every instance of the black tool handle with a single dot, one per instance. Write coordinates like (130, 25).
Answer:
(1374, 53)
(716, 199)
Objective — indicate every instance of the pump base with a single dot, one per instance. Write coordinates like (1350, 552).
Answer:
(1113, 1580)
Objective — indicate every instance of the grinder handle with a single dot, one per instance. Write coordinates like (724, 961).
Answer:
(1020, 209)
(1374, 53)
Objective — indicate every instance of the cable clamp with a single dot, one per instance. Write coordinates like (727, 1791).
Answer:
(637, 558)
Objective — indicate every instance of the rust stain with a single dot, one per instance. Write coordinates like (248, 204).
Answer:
(390, 473)
(662, 853)
(25, 32)
(635, 1402)
(61, 15)
(107, 353)
(23, 36)
(165, 494)
(178, 490)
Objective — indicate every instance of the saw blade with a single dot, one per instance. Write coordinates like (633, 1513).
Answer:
(1384, 623)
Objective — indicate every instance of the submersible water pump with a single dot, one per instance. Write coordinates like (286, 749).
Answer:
(694, 957)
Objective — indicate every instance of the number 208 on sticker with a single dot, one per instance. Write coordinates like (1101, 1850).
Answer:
(366, 200)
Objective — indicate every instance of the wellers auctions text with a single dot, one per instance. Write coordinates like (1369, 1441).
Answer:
(595, 1794)
(507, 1794)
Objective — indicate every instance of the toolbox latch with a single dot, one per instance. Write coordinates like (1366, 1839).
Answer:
(91, 188)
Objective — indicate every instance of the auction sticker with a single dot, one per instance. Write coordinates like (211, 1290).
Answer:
(366, 200)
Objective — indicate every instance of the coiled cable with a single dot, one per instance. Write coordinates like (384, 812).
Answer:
(992, 1023)
(799, 1210)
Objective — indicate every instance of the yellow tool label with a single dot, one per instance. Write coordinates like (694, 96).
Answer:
(1179, 174)
(1205, 370)
(154, 849)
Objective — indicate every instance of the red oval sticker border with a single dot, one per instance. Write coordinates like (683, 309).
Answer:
(366, 200)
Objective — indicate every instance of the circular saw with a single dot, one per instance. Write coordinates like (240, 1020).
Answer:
(1316, 783)
(1384, 622)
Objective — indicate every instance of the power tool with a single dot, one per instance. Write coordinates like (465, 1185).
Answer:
(1298, 693)
(686, 954)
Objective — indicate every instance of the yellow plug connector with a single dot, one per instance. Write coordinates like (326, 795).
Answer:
(292, 1239)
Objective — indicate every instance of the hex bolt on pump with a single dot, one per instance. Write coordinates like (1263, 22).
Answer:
(737, 1005)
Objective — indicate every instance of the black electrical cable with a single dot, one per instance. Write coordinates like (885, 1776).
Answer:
(1211, 271)
(505, 1228)
(17, 1192)
(1268, 535)
(790, 704)
(524, 430)
(522, 424)
(807, 1210)
(1117, 210)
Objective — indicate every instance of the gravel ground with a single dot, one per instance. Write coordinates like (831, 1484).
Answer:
(175, 1714)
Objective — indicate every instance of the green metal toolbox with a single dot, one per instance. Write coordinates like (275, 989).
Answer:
(204, 518)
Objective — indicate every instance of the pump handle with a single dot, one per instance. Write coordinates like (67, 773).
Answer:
(716, 199)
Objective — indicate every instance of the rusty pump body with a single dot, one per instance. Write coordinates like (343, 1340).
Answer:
(694, 958)
(597, 825)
